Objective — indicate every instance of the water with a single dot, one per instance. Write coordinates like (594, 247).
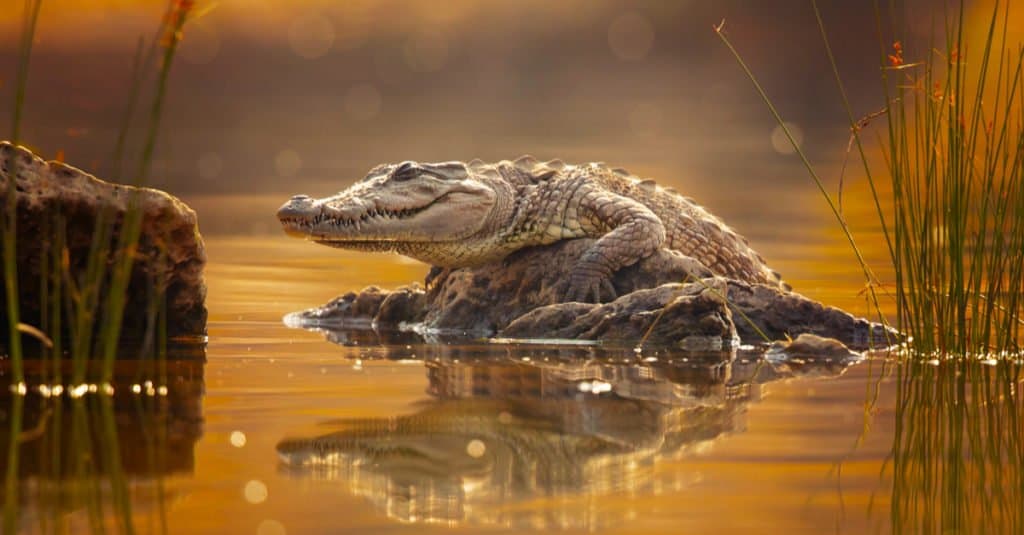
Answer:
(287, 431)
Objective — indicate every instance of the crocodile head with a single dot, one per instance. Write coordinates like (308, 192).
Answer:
(397, 205)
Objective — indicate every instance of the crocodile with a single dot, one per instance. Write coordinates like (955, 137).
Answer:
(455, 214)
(499, 437)
(497, 433)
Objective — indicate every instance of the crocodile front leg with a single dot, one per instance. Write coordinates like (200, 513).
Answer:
(628, 230)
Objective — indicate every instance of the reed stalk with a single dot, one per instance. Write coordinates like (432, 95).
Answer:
(869, 276)
(131, 226)
(10, 221)
(953, 155)
(29, 22)
(89, 303)
(140, 66)
(954, 158)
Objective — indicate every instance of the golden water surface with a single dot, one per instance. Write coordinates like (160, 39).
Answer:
(283, 430)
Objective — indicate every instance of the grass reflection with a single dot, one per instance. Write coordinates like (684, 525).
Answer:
(958, 454)
(95, 461)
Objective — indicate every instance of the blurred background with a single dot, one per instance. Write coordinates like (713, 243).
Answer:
(269, 99)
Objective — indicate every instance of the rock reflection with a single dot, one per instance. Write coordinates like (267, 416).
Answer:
(516, 436)
(85, 448)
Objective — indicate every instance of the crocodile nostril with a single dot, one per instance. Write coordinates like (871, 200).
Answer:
(300, 206)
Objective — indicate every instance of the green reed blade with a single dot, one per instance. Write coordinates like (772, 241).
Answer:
(868, 275)
(132, 223)
(140, 66)
(10, 509)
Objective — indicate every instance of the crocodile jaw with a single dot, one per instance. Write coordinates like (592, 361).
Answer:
(363, 213)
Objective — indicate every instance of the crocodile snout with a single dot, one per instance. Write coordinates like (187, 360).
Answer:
(298, 207)
(297, 215)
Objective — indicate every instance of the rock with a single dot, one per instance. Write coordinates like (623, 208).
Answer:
(169, 259)
(517, 298)
(356, 310)
(781, 315)
(811, 346)
(810, 355)
(687, 315)
(484, 300)
(368, 308)
(404, 305)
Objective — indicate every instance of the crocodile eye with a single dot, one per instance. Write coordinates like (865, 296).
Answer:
(404, 171)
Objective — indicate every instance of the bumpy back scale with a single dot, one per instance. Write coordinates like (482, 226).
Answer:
(594, 200)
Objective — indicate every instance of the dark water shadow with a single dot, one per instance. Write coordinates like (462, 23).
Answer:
(93, 456)
(508, 425)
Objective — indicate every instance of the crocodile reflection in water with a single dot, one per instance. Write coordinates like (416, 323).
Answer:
(499, 432)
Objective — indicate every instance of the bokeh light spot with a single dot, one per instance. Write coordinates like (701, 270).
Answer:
(237, 439)
(311, 35)
(363, 102)
(781, 143)
(255, 491)
(476, 448)
(631, 36)
(426, 52)
(287, 162)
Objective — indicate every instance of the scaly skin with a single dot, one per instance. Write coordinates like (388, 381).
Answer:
(456, 215)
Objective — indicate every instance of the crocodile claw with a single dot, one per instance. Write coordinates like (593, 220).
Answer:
(589, 288)
(436, 276)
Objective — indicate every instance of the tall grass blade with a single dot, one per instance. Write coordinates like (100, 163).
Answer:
(131, 226)
(11, 497)
(868, 275)
(952, 153)
(140, 66)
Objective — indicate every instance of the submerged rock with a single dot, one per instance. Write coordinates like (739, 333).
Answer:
(811, 346)
(517, 298)
(169, 259)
